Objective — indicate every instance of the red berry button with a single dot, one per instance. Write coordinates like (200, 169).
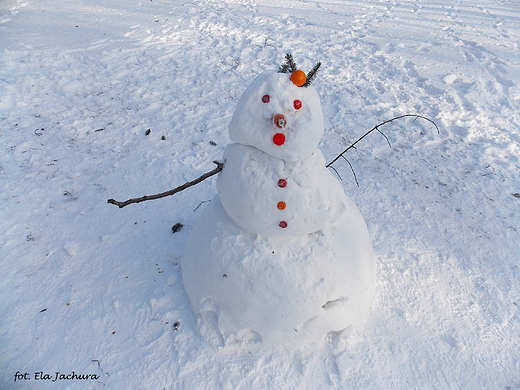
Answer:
(282, 183)
(297, 104)
(279, 139)
(281, 205)
(266, 98)
(283, 224)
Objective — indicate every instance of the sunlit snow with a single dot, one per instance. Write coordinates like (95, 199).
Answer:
(118, 99)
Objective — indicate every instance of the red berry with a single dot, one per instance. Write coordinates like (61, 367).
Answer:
(282, 183)
(281, 205)
(266, 98)
(297, 104)
(283, 224)
(279, 139)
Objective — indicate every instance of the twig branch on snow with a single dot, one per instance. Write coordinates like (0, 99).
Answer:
(376, 128)
(219, 167)
(265, 43)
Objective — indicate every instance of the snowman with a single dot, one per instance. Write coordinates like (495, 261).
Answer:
(280, 253)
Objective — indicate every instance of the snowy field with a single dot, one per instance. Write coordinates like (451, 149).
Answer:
(88, 288)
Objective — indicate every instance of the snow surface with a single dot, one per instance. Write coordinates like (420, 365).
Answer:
(91, 288)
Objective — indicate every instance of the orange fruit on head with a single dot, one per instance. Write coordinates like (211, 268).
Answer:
(298, 77)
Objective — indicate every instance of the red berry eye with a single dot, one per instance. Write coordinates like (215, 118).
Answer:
(266, 98)
(297, 104)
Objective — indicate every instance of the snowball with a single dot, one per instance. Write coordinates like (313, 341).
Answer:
(252, 123)
(249, 191)
(284, 289)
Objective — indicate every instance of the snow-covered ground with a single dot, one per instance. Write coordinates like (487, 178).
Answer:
(93, 289)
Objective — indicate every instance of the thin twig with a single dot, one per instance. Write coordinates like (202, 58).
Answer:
(336, 172)
(352, 169)
(377, 128)
(384, 135)
(201, 203)
(219, 167)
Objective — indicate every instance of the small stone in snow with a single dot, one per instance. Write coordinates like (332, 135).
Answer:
(177, 227)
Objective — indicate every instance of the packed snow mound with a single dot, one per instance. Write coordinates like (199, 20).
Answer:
(285, 289)
(272, 94)
(259, 191)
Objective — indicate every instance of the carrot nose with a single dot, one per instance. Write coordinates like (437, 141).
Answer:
(280, 121)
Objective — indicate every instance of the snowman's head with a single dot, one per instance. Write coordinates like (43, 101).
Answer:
(278, 117)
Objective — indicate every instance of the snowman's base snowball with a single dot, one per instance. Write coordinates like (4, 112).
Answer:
(285, 289)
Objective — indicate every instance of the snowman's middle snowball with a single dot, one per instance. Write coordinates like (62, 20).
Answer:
(252, 183)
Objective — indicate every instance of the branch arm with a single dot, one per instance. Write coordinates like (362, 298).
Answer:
(377, 128)
(180, 188)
